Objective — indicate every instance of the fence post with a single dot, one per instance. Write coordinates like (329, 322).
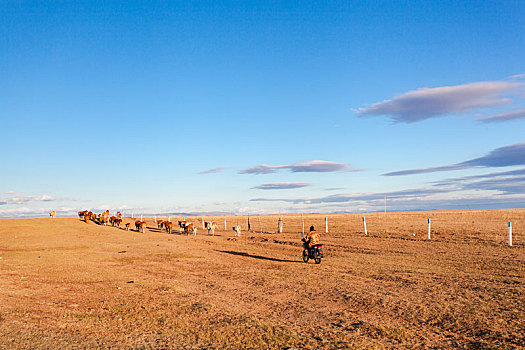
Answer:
(510, 234)
(140, 217)
(364, 224)
(429, 228)
(155, 218)
(326, 224)
(225, 228)
(202, 219)
(169, 218)
(280, 225)
(303, 222)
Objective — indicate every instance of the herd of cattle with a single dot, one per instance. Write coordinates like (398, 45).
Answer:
(140, 226)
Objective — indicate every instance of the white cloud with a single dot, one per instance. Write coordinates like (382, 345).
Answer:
(15, 198)
(504, 117)
(36, 212)
(212, 171)
(282, 185)
(425, 103)
(314, 166)
(518, 76)
(500, 157)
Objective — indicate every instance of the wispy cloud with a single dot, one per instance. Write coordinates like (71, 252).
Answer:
(457, 180)
(15, 198)
(314, 166)
(506, 182)
(212, 171)
(359, 197)
(514, 185)
(505, 189)
(504, 117)
(282, 185)
(500, 157)
(425, 103)
(35, 212)
(518, 76)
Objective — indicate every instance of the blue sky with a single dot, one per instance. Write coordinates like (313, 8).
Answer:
(293, 106)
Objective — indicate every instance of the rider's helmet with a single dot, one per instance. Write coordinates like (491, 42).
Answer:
(312, 228)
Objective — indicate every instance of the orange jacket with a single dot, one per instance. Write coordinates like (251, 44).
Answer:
(313, 238)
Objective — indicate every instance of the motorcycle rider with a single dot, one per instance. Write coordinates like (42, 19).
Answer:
(312, 238)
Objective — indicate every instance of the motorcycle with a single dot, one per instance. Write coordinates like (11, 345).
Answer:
(315, 252)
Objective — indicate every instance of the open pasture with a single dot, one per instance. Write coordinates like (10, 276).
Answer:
(65, 283)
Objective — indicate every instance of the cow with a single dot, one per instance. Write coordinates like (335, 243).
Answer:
(237, 230)
(160, 224)
(112, 220)
(87, 216)
(127, 226)
(140, 225)
(82, 213)
(104, 220)
(182, 225)
(52, 214)
(169, 226)
(117, 222)
(210, 226)
(119, 215)
(190, 228)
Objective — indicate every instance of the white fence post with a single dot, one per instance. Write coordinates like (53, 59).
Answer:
(303, 222)
(169, 218)
(510, 234)
(202, 219)
(140, 217)
(326, 224)
(155, 218)
(428, 228)
(364, 225)
(225, 228)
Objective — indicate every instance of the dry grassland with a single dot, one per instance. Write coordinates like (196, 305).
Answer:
(68, 284)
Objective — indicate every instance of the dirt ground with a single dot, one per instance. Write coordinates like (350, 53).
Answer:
(69, 284)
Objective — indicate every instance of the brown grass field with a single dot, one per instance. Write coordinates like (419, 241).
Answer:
(68, 284)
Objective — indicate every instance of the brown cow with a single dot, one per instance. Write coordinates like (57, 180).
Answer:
(104, 220)
(127, 226)
(112, 220)
(82, 213)
(140, 225)
(52, 214)
(87, 216)
(160, 224)
(182, 225)
(190, 228)
(119, 214)
(169, 226)
(118, 222)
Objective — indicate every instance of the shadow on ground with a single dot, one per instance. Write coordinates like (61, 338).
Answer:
(256, 256)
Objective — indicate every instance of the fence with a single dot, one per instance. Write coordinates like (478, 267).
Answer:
(468, 225)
